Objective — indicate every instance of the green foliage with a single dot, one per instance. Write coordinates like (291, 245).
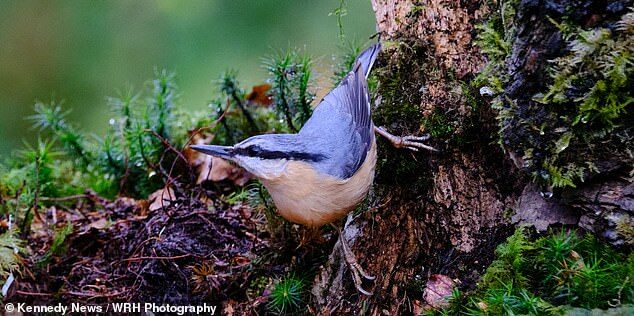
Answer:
(584, 272)
(494, 38)
(58, 245)
(240, 195)
(492, 41)
(340, 12)
(510, 261)
(625, 228)
(230, 126)
(592, 89)
(32, 174)
(587, 101)
(141, 147)
(10, 245)
(51, 117)
(288, 296)
(160, 106)
(551, 274)
(291, 76)
(607, 61)
(437, 125)
(133, 152)
(235, 95)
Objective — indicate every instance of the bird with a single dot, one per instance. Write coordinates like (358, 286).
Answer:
(321, 173)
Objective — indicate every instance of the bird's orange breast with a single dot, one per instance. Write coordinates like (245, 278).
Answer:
(307, 197)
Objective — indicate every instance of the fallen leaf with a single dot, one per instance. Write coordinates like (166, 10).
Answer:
(161, 198)
(241, 260)
(228, 308)
(439, 288)
(259, 95)
(417, 308)
(214, 169)
(99, 224)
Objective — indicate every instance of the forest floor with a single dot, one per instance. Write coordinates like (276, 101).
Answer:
(184, 252)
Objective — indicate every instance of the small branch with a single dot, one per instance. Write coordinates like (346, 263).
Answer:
(167, 144)
(287, 111)
(92, 295)
(66, 198)
(247, 114)
(157, 258)
(32, 293)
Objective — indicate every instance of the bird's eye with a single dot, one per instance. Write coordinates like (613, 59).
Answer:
(253, 150)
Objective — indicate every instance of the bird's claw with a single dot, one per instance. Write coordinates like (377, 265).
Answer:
(357, 282)
(413, 143)
(355, 268)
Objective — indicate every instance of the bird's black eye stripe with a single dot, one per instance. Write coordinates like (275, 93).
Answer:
(257, 151)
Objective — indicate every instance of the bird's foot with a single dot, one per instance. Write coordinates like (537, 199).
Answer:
(410, 142)
(355, 268)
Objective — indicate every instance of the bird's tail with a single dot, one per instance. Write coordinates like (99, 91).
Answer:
(367, 57)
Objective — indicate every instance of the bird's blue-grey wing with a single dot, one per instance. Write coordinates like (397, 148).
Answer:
(367, 58)
(341, 128)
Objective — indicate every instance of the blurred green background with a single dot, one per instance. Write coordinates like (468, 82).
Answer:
(83, 51)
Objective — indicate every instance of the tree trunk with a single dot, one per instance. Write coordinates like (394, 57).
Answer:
(444, 213)
(430, 213)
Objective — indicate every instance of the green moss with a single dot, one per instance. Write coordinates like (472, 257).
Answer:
(587, 101)
(551, 274)
(58, 245)
(625, 228)
(593, 90)
(495, 37)
(291, 75)
(10, 246)
(288, 296)
(437, 125)
(398, 84)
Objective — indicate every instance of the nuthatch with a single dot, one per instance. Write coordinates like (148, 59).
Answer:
(321, 173)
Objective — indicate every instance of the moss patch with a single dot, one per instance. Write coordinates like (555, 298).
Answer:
(560, 128)
(550, 275)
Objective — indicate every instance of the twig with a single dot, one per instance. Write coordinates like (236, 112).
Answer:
(215, 123)
(145, 158)
(245, 112)
(287, 109)
(157, 258)
(66, 198)
(92, 295)
(126, 161)
(167, 144)
(36, 199)
(32, 293)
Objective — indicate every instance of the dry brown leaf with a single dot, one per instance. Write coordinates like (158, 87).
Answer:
(241, 260)
(211, 168)
(260, 95)
(161, 198)
(99, 224)
(439, 288)
(228, 308)
(418, 308)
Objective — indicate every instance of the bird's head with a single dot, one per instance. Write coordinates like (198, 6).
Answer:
(265, 156)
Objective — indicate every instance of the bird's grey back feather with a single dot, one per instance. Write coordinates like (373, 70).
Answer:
(341, 128)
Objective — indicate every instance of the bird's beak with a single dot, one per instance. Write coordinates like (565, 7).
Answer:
(214, 150)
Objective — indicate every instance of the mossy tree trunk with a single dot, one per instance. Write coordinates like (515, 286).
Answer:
(429, 213)
(439, 213)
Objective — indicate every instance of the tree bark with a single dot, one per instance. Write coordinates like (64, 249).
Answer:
(444, 213)
(430, 213)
